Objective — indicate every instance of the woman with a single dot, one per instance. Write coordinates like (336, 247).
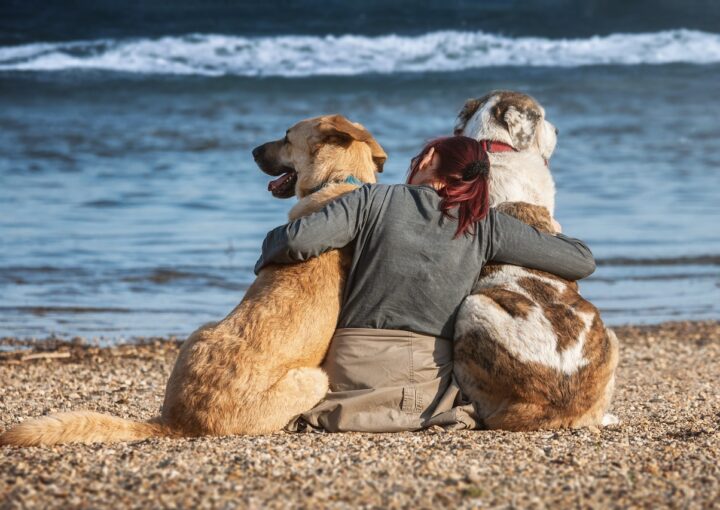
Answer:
(418, 251)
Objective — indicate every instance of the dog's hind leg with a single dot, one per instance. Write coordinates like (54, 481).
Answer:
(296, 392)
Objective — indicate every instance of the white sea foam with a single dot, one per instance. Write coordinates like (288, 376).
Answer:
(294, 56)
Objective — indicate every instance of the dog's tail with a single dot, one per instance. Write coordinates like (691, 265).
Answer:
(81, 427)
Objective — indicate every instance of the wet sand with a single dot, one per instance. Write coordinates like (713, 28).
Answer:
(665, 452)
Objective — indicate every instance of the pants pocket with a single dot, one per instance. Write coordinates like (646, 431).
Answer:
(411, 402)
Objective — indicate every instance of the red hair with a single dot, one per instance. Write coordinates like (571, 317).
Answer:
(463, 170)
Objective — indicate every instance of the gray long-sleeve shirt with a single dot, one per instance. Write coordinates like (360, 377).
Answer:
(408, 272)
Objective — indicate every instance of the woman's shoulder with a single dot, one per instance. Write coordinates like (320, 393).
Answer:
(382, 190)
(412, 189)
(381, 196)
(406, 192)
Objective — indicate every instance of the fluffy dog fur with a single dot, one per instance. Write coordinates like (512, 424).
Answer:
(519, 121)
(257, 368)
(530, 352)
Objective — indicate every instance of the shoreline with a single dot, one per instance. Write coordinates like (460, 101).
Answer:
(663, 454)
(12, 345)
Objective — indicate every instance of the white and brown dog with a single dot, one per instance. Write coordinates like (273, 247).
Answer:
(520, 143)
(530, 352)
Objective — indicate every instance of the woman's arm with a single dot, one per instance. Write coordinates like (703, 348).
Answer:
(514, 242)
(333, 226)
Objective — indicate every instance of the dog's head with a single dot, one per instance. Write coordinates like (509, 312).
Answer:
(534, 215)
(317, 151)
(509, 117)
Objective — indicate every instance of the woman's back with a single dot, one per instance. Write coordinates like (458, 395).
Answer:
(408, 272)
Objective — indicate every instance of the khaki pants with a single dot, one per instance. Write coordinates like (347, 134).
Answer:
(388, 381)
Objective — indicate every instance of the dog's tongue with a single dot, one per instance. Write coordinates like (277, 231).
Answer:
(279, 182)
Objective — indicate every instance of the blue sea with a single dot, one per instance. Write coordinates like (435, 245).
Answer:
(130, 204)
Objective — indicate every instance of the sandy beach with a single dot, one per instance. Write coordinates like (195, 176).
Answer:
(665, 453)
(133, 210)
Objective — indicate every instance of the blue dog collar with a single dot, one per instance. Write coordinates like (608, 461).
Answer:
(350, 179)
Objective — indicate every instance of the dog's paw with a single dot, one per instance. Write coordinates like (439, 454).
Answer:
(610, 419)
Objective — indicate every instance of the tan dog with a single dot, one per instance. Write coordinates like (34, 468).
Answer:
(530, 352)
(257, 368)
(520, 174)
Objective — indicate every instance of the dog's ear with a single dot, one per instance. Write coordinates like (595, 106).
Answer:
(534, 215)
(468, 110)
(520, 122)
(339, 130)
(378, 154)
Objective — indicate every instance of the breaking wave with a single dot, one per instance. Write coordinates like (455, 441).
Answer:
(298, 56)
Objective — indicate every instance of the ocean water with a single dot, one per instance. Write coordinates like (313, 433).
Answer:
(130, 204)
